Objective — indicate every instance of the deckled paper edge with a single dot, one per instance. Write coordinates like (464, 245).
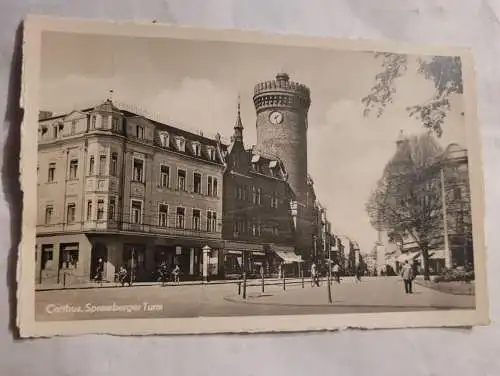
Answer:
(34, 26)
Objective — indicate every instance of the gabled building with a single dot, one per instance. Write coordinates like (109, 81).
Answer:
(119, 188)
(258, 227)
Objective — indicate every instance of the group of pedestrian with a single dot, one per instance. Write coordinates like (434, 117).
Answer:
(315, 274)
(164, 272)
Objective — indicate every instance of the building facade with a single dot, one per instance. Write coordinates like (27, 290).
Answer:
(258, 229)
(453, 246)
(117, 188)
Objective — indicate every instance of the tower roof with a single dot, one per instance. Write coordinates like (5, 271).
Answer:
(238, 125)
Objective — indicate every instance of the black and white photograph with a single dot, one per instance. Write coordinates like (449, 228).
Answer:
(192, 181)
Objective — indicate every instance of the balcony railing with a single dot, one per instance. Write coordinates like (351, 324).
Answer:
(104, 226)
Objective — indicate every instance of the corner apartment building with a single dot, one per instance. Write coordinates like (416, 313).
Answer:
(118, 187)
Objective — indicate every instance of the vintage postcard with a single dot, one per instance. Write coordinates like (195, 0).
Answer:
(183, 181)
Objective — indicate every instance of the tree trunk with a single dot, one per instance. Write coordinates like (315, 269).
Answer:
(425, 260)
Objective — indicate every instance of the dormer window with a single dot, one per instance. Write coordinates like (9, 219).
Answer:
(139, 131)
(181, 144)
(197, 149)
(211, 153)
(164, 139)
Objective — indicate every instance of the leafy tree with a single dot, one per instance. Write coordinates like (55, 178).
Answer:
(444, 71)
(407, 199)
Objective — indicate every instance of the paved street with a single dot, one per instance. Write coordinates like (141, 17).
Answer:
(378, 294)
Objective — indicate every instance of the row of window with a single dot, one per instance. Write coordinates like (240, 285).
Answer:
(180, 141)
(139, 174)
(180, 217)
(242, 226)
(136, 214)
(254, 195)
(212, 182)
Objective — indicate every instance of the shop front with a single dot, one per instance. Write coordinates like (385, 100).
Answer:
(240, 256)
(285, 262)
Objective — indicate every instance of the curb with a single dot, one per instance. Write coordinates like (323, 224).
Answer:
(433, 287)
(333, 305)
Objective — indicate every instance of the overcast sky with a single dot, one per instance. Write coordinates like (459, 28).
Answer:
(195, 85)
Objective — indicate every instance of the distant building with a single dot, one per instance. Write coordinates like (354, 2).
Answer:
(453, 246)
(118, 188)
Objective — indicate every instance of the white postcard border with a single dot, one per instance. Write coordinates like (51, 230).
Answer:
(34, 27)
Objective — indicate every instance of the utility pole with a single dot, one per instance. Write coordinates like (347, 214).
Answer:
(447, 254)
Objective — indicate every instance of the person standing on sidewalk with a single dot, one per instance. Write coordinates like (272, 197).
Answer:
(407, 275)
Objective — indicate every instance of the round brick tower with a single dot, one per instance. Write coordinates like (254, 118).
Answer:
(282, 106)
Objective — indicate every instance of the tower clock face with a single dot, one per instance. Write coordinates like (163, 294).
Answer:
(276, 117)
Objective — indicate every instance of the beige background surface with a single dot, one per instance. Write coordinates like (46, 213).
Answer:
(419, 352)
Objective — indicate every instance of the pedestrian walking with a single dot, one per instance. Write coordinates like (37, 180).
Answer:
(314, 275)
(99, 276)
(407, 275)
(336, 272)
(176, 273)
(359, 272)
(123, 275)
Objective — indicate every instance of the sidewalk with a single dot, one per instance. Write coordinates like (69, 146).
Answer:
(377, 292)
(107, 284)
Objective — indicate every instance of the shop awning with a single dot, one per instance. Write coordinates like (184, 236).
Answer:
(289, 257)
(287, 254)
